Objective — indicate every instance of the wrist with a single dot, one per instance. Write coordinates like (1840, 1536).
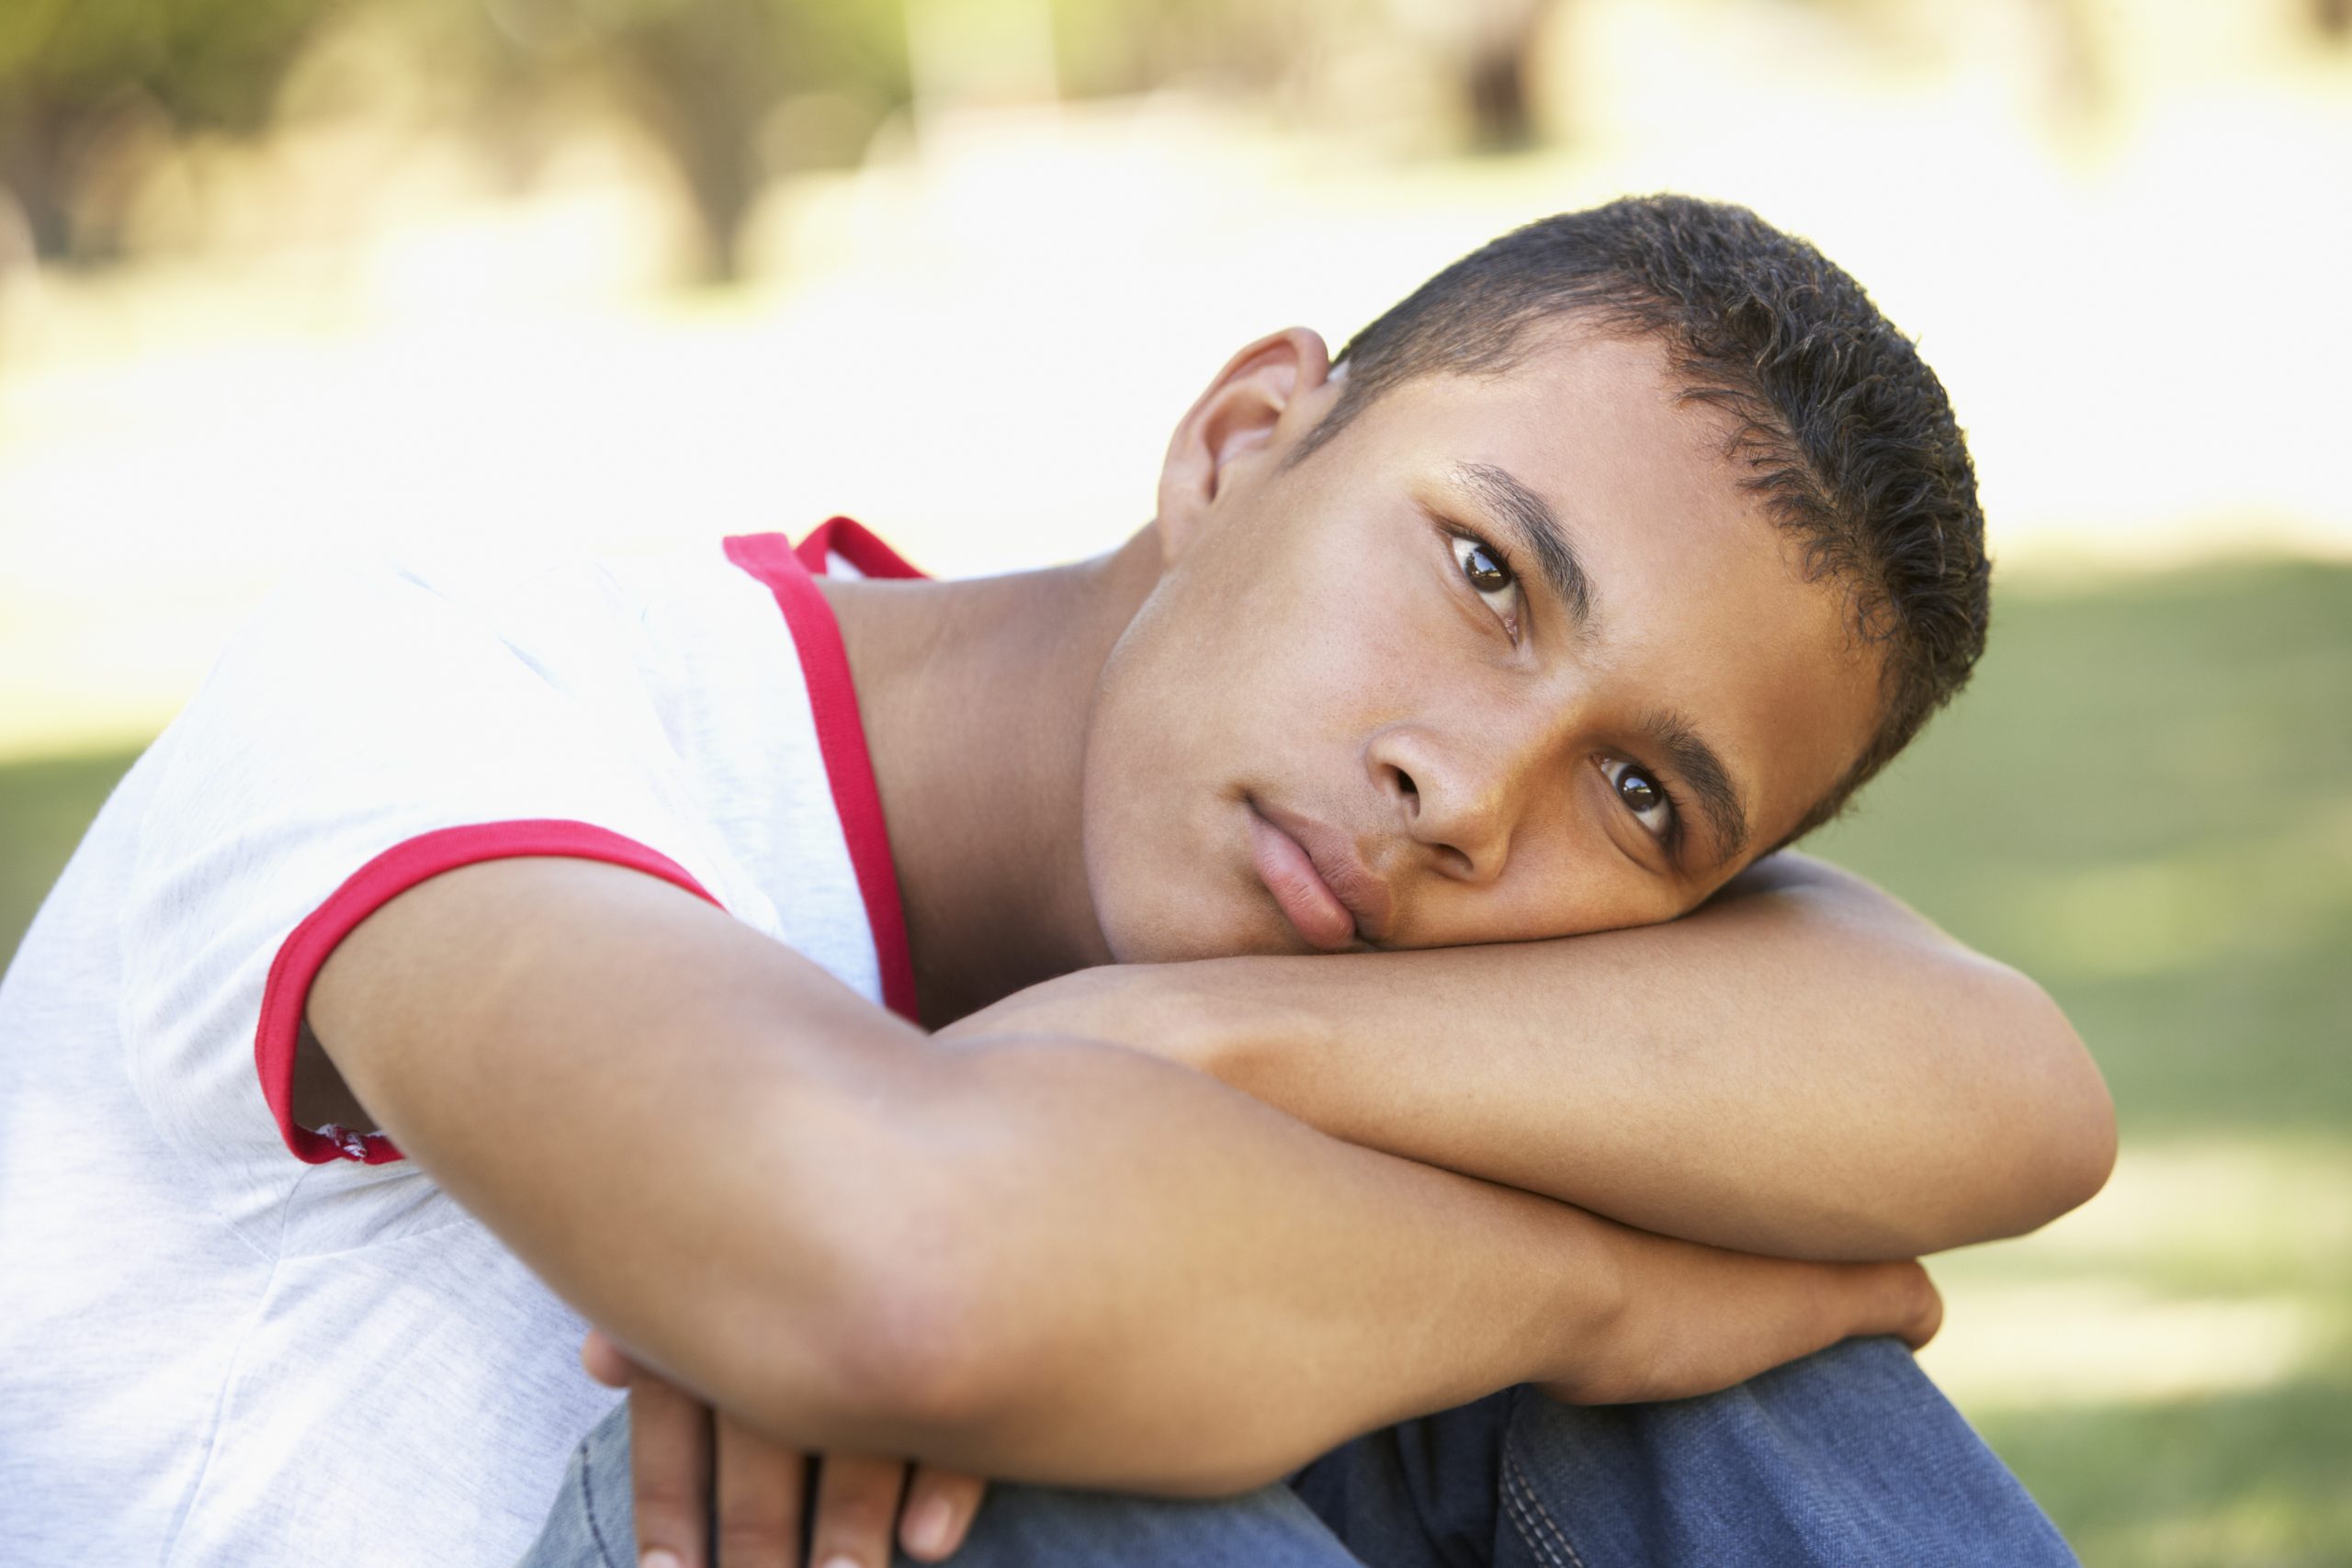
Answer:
(1918, 1310)
(1592, 1355)
(1152, 1008)
(1235, 1019)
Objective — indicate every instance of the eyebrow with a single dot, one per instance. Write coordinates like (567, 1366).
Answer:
(1533, 519)
(1703, 772)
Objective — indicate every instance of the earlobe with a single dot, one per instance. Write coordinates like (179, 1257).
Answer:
(1252, 406)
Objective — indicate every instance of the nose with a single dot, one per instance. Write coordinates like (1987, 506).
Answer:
(1458, 796)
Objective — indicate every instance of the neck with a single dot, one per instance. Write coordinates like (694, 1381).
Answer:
(975, 697)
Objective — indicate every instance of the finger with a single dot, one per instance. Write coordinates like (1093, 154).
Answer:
(940, 1505)
(857, 1506)
(669, 1436)
(760, 1486)
(605, 1360)
(1929, 1315)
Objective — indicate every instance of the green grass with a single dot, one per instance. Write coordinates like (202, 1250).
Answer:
(2145, 802)
(44, 806)
(2240, 1480)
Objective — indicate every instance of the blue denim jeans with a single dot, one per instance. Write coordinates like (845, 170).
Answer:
(1850, 1457)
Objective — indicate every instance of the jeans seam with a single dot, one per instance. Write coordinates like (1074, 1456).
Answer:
(1527, 1511)
(588, 1504)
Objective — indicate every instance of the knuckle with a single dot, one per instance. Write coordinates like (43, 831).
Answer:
(666, 1498)
(862, 1515)
(753, 1542)
(754, 1509)
(857, 1504)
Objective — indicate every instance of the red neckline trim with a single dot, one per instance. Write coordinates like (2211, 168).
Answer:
(841, 733)
(854, 543)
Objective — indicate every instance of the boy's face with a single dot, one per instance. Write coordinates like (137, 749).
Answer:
(1359, 708)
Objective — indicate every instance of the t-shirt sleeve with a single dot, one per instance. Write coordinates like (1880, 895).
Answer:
(370, 728)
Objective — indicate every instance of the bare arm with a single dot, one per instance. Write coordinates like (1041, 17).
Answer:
(1027, 1257)
(1802, 1067)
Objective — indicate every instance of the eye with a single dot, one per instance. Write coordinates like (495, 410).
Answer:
(1487, 570)
(1640, 793)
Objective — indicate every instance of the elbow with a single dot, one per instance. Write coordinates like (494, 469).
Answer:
(2067, 1113)
(843, 1318)
(901, 1377)
(2083, 1152)
(909, 1359)
(2037, 1139)
(922, 1366)
(2023, 1132)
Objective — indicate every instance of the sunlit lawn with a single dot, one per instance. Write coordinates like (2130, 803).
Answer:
(2147, 803)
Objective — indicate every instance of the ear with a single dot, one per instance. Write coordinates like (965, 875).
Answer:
(1262, 401)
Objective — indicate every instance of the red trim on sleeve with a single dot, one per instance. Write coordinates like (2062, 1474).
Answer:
(840, 734)
(368, 889)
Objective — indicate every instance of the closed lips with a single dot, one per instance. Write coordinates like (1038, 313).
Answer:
(1322, 886)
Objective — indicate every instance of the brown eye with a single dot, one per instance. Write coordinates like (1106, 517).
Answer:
(1639, 791)
(1485, 570)
(1491, 578)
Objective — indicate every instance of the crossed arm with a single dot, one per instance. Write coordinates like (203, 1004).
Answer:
(1034, 1253)
(1802, 1067)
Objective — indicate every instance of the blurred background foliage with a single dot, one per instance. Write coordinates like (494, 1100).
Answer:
(89, 88)
(287, 278)
(735, 93)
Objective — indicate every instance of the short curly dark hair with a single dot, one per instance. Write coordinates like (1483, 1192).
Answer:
(1839, 423)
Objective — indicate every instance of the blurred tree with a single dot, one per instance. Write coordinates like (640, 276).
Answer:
(1482, 49)
(1106, 48)
(715, 82)
(2082, 91)
(74, 71)
(1494, 59)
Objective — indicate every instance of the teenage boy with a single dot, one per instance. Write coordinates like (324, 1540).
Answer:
(1620, 554)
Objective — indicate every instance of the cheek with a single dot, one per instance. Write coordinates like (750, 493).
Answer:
(1577, 897)
(1131, 741)
(1227, 683)
(1252, 666)
(1150, 804)
(1566, 877)
(1376, 642)
(1155, 712)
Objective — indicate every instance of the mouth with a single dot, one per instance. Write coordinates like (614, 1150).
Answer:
(1322, 886)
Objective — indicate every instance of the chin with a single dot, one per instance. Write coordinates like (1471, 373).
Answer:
(1175, 889)
(1177, 929)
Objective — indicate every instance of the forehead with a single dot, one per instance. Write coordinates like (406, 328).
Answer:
(1700, 606)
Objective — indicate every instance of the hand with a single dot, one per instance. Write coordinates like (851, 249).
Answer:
(761, 1487)
(1093, 1003)
(1702, 1333)
(1158, 1008)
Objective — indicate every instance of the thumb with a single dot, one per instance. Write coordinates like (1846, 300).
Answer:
(605, 1360)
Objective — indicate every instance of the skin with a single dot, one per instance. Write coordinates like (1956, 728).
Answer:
(1311, 641)
(1314, 643)
(1096, 748)
(1246, 648)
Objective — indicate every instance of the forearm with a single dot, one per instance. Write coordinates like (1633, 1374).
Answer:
(1189, 1292)
(1170, 1287)
(1807, 1070)
(1050, 1259)
(1035, 1258)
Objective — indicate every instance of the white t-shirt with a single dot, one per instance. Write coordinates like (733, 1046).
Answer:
(225, 1338)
